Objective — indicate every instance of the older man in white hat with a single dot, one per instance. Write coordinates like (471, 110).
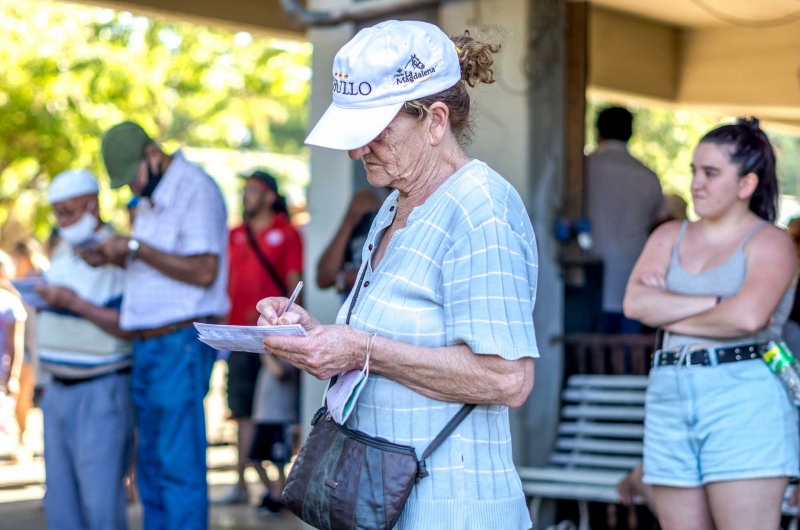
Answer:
(88, 411)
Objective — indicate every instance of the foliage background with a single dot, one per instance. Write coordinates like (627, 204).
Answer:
(68, 72)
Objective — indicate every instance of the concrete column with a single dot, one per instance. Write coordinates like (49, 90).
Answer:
(329, 194)
(545, 196)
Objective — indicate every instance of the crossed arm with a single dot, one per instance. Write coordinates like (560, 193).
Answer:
(771, 270)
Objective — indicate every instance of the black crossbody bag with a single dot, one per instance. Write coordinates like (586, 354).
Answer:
(346, 480)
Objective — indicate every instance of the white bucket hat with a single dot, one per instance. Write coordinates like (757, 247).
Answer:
(375, 73)
(72, 183)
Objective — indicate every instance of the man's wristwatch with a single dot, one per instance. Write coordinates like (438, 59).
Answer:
(133, 248)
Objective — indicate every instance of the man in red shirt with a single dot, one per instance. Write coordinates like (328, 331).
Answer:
(266, 259)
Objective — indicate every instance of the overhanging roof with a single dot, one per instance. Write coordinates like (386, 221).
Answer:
(258, 16)
(705, 13)
(722, 68)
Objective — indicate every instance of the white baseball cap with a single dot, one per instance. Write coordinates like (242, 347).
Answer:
(375, 73)
(72, 183)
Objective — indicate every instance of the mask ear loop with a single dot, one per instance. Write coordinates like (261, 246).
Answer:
(370, 342)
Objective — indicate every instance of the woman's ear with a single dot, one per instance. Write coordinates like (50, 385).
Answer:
(747, 185)
(439, 122)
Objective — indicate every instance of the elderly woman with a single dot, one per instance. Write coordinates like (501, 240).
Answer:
(448, 279)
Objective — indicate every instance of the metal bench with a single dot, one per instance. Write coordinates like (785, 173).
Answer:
(599, 441)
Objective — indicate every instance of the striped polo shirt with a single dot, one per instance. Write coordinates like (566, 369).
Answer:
(462, 271)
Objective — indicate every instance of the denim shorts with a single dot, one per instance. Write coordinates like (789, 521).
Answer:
(704, 424)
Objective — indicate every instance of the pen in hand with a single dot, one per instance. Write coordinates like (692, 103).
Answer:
(292, 298)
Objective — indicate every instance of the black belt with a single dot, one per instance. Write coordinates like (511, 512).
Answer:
(702, 356)
(70, 382)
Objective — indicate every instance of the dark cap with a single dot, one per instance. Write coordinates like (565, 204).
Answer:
(123, 148)
(265, 178)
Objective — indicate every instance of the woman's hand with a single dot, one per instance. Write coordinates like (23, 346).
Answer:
(271, 307)
(326, 352)
(654, 279)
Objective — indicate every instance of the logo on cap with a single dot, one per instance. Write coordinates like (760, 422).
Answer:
(413, 71)
(341, 85)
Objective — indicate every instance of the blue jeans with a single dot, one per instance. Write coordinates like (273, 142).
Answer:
(731, 421)
(88, 441)
(171, 375)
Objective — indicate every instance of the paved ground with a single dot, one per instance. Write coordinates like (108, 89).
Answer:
(21, 488)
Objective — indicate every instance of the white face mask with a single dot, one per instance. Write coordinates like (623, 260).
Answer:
(80, 231)
(342, 397)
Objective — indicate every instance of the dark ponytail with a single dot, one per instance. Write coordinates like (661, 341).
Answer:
(753, 153)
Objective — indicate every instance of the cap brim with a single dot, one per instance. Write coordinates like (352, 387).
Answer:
(348, 128)
(125, 176)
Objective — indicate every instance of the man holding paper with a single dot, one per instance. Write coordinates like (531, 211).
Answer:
(88, 412)
(176, 273)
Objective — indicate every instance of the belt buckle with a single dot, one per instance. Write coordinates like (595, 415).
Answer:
(688, 359)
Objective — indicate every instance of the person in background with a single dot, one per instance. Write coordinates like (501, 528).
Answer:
(339, 264)
(676, 207)
(12, 340)
(29, 262)
(721, 436)
(625, 202)
(176, 274)
(266, 259)
(29, 258)
(275, 412)
(88, 411)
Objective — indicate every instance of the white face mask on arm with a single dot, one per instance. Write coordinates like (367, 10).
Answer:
(80, 231)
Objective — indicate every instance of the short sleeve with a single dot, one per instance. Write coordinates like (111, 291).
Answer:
(293, 251)
(204, 222)
(489, 291)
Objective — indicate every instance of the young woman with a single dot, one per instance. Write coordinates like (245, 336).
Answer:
(721, 435)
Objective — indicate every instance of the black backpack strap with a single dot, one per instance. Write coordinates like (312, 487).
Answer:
(251, 238)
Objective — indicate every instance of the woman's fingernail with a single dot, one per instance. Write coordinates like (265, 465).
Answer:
(284, 321)
(273, 321)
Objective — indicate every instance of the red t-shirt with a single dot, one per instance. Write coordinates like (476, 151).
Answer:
(248, 280)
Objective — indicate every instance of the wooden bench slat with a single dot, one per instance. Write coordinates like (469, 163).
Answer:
(575, 492)
(606, 430)
(603, 396)
(598, 412)
(625, 463)
(576, 476)
(611, 447)
(608, 381)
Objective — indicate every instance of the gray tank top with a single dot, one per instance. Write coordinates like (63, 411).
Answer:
(723, 281)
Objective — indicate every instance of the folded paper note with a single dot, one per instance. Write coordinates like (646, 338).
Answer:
(243, 338)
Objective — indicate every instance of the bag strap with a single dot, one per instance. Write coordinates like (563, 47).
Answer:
(454, 422)
(448, 429)
(251, 238)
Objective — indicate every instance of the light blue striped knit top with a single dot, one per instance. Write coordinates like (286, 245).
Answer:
(462, 271)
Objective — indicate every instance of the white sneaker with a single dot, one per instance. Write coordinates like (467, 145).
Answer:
(234, 495)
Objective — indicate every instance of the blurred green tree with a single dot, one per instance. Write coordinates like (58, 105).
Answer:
(68, 72)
